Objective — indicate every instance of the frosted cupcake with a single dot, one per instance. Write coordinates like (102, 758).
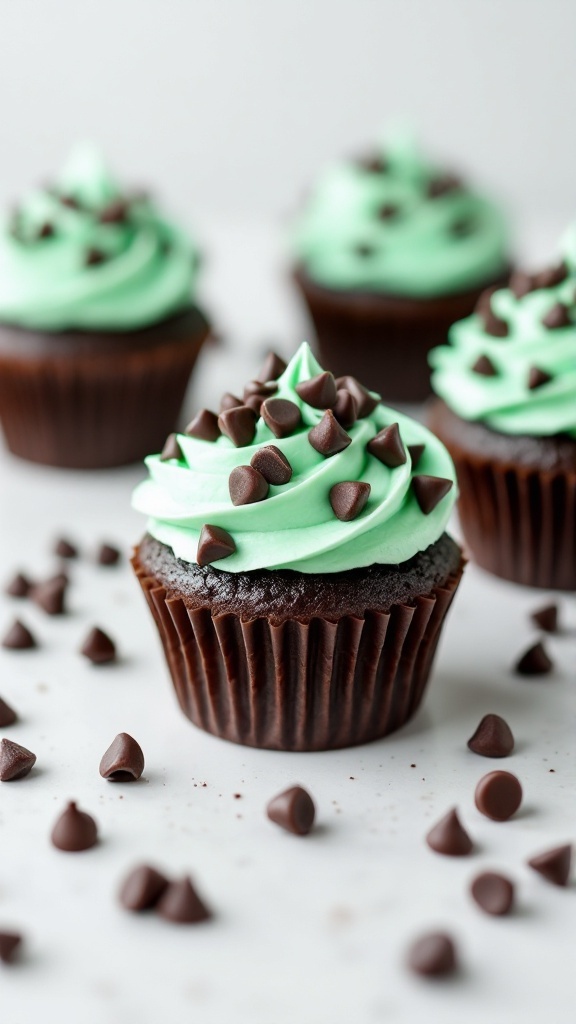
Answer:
(99, 329)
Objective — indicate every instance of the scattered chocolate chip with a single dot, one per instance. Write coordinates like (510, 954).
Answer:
(272, 367)
(46, 230)
(107, 554)
(537, 377)
(552, 276)
(493, 893)
(293, 810)
(123, 761)
(239, 424)
(142, 888)
(115, 213)
(373, 163)
(74, 830)
(204, 426)
(493, 738)
(388, 447)
(345, 408)
(546, 618)
(18, 637)
(442, 185)
(553, 865)
(181, 903)
(432, 955)
(281, 416)
(328, 437)
(15, 761)
(521, 284)
(415, 452)
(534, 662)
(19, 586)
(70, 201)
(98, 647)
(498, 795)
(229, 401)
(9, 943)
(557, 317)
(429, 491)
(214, 543)
(485, 367)
(94, 257)
(388, 211)
(272, 464)
(319, 391)
(63, 548)
(171, 450)
(256, 388)
(247, 485)
(449, 837)
(7, 714)
(348, 499)
(463, 227)
(50, 595)
(365, 402)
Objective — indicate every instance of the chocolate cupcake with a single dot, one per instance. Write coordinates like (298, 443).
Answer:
(390, 251)
(296, 563)
(507, 413)
(98, 328)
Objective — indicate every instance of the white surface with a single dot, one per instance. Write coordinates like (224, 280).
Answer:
(306, 931)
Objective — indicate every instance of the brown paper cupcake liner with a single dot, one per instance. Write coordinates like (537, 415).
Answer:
(313, 685)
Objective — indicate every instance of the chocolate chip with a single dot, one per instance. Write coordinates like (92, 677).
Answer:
(364, 250)
(494, 325)
(493, 738)
(247, 485)
(94, 257)
(18, 637)
(432, 955)
(19, 586)
(498, 795)
(239, 424)
(50, 595)
(229, 401)
(373, 163)
(365, 402)
(204, 426)
(74, 830)
(319, 391)
(552, 276)
(388, 447)
(537, 377)
(485, 367)
(7, 714)
(214, 543)
(181, 903)
(272, 367)
(63, 548)
(15, 761)
(115, 213)
(521, 284)
(293, 810)
(534, 662)
(443, 184)
(449, 837)
(429, 491)
(484, 301)
(557, 317)
(493, 893)
(415, 452)
(107, 554)
(9, 943)
(345, 408)
(263, 390)
(70, 201)
(388, 211)
(272, 464)
(328, 437)
(546, 618)
(142, 888)
(171, 450)
(254, 402)
(553, 865)
(348, 499)
(98, 647)
(463, 227)
(281, 416)
(46, 230)
(123, 761)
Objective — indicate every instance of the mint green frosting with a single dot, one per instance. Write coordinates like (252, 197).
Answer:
(146, 274)
(295, 527)
(429, 247)
(504, 402)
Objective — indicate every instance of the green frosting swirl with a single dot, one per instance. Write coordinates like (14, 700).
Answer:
(84, 255)
(295, 526)
(504, 401)
(381, 231)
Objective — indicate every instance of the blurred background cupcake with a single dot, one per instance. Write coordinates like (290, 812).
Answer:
(99, 329)
(390, 249)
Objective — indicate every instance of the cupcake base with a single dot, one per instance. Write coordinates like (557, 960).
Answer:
(290, 661)
(84, 400)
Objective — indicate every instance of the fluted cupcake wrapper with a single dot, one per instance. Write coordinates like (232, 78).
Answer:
(315, 685)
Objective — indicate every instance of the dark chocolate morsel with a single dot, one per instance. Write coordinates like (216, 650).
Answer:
(204, 426)
(7, 714)
(388, 211)
(272, 367)
(214, 543)
(98, 647)
(123, 761)
(546, 618)
(484, 301)
(449, 837)
(348, 499)
(494, 893)
(247, 485)
(254, 402)
(553, 865)
(493, 738)
(537, 377)
(74, 830)
(18, 637)
(171, 450)
(319, 391)
(388, 447)
(345, 408)
(494, 325)
(142, 888)
(9, 943)
(281, 415)
(293, 810)
(94, 257)
(534, 662)
(229, 401)
(552, 276)
(462, 227)
(498, 795)
(415, 451)
(181, 903)
(19, 586)
(432, 955)
(272, 464)
(70, 201)
(46, 230)
(521, 284)
(485, 367)
(429, 491)
(115, 213)
(50, 595)
(365, 402)
(442, 184)
(328, 437)
(557, 317)
(239, 424)
(15, 761)
(63, 548)
(260, 388)
(108, 554)
(373, 163)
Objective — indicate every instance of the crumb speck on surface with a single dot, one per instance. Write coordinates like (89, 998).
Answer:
(237, 796)
(412, 765)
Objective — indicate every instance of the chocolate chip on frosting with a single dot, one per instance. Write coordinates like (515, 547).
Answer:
(272, 464)
(537, 377)
(345, 408)
(553, 865)
(388, 211)
(247, 485)
(521, 284)
(171, 450)
(229, 401)
(254, 402)
(272, 367)
(348, 499)
(115, 212)
(239, 424)
(263, 388)
(388, 447)
(429, 491)
(328, 437)
(46, 230)
(449, 837)
(442, 185)
(415, 452)
(534, 662)
(551, 276)
(18, 637)
(214, 544)
(485, 367)
(319, 391)
(365, 402)
(94, 257)
(15, 761)
(557, 316)
(204, 426)
(374, 163)
(364, 249)
(494, 325)
(281, 416)
(462, 227)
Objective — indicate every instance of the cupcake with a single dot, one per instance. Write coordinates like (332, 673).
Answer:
(98, 328)
(390, 250)
(507, 413)
(296, 561)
